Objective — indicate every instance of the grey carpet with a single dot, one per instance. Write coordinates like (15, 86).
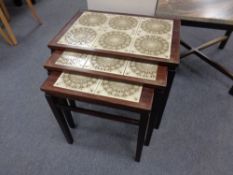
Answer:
(195, 137)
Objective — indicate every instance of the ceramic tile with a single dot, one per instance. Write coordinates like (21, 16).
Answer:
(119, 90)
(79, 36)
(92, 19)
(72, 59)
(112, 89)
(141, 70)
(106, 64)
(121, 33)
(77, 83)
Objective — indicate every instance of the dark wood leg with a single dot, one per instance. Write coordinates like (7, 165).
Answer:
(67, 113)
(223, 43)
(154, 113)
(60, 118)
(71, 103)
(162, 99)
(141, 134)
(231, 91)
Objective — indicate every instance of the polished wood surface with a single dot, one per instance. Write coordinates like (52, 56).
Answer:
(144, 104)
(173, 61)
(161, 79)
(211, 11)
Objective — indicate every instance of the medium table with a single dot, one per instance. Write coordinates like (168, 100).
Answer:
(212, 14)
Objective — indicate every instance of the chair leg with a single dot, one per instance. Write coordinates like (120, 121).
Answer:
(4, 9)
(33, 11)
(5, 36)
(223, 43)
(141, 134)
(60, 118)
(7, 27)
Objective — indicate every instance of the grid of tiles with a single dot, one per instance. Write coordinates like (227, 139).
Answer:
(106, 88)
(109, 65)
(121, 33)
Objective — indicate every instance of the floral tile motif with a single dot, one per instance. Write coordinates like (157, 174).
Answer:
(112, 89)
(121, 33)
(141, 70)
(151, 45)
(123, 22)
(106, 64)
(156, 26)
(114, 40)
(72, 59)
(77, 82)
(79, 36)
(119, 90)
(92, 19)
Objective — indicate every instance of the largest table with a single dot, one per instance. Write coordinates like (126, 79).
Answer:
(123, 36)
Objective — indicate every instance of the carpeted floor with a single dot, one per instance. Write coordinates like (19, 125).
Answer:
(195, 137)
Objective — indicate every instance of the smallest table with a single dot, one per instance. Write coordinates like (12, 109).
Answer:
(60, 87)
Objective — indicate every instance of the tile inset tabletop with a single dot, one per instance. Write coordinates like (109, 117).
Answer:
(141, 70)
(213, 11)
(135, 35)
(106, 64)
(107, 88)
(146, 71)
(72, 59)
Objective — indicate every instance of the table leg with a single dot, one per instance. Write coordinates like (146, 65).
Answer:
(153, 115)
(67, 113)
(60, 118)
(231, 91)
(162, 99)
(223, 43)
(144, 117)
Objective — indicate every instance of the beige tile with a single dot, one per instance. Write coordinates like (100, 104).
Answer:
(77, 83)
(79, 36)
(72, 59)
(119, 90)
(121, 33)
(106, 64)
(141, 70)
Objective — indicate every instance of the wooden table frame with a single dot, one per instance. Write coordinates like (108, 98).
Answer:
(61, 108)
(197, 50)
(172, 63)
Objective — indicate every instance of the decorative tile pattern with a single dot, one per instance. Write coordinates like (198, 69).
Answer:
(141, 70)
(79, 36)
(110, 65)
(123, 22)
(77, 82)
(114, 40)
(119, 90)
(156, 26)
(151, 45)
(112, 89)
(106, 64)
(93, 19)
(121, 33)
(72, 59)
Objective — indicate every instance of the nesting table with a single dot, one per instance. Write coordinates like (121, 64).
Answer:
(118, 60)
(212, 14)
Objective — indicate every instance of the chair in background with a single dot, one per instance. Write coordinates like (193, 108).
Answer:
(5, 17)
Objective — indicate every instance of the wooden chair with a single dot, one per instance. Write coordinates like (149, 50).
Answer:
(5, 17)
